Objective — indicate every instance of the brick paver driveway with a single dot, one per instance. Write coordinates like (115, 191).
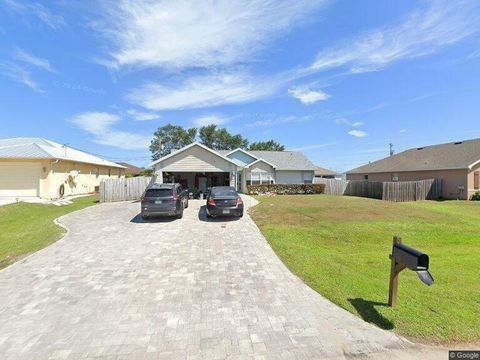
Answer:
(116, 287)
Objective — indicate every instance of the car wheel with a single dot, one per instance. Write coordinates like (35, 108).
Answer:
(180, 214)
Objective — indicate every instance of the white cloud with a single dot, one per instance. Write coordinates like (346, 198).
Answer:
(421, 33)
(28, 8)
(292, 119)
(30, 59)
(123, 140)
(358, 133)
(95, 122)
(307, 96)
(201, 91)
(142, 115)
(100, 125)
(343, 121)
(189, 33)
(403, 131)
(209, 120)
(20, 75)
(313, 147)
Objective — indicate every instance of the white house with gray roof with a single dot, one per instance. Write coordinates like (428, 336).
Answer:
(198, 167)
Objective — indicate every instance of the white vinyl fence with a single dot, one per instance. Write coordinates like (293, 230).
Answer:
(123, 189)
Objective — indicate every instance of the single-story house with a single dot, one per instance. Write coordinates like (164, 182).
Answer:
(196, 166)
(323, 173)
(131, 169)
(456, 163)
(36, 167)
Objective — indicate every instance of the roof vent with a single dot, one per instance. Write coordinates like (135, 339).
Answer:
(458, 143)
(420, 148)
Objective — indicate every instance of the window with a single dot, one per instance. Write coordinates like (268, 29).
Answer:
(257, 177)
(152, 193)
(395, 177)
(365, 177)
(476, 180)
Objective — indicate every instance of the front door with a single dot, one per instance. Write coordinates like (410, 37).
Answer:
(202, 184)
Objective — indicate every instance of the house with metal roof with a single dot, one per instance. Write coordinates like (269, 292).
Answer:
(198, 167)
(37, 167)
(456, 163)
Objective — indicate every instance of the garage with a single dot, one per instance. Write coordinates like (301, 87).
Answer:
(19, 179)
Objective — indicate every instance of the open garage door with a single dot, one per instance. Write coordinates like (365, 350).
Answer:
(19, 179)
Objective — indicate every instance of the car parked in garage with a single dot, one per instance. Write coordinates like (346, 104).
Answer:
(164, 200)
(224, 201)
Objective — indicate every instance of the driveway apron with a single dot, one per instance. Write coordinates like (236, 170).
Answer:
(118, 287)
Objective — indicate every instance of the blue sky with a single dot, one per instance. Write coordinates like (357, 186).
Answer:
(338, 80)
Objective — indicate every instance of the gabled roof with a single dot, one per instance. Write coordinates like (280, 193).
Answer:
(261, 160)
(454, 155)
(40, 148)
(188, 147)
(323, 171)
(129, 168)
(285, 160)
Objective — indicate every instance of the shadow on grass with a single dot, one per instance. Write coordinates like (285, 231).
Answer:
(369, 313)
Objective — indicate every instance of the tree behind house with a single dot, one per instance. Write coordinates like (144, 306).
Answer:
(267, 145)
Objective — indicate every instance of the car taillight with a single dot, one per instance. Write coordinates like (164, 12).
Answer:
(239, 201)
(211, 202)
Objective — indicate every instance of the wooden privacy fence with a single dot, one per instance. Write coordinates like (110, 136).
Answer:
(123, 189)
(399, 191)
(430, 189)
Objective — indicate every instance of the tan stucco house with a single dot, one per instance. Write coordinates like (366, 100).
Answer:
(36, 167)
(198, 167)
(456, 163)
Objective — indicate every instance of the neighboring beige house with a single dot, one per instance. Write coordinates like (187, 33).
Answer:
(457, 164)
(323, 173)
(199, 167)
(36, 167)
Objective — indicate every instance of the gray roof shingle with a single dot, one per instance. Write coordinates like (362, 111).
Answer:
(323, 171)
(283, 160)
(455, 155)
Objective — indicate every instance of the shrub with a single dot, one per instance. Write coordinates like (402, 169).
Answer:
(286, 189)
(476, 196)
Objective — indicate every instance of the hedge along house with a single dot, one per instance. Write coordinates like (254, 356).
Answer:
(457, 164)
(196, 166)
(36, 167)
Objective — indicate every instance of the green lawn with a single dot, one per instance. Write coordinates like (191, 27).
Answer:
(26, 228)
(340, 247)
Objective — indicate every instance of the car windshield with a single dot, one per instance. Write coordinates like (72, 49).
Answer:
(158, 193)
(223, 192)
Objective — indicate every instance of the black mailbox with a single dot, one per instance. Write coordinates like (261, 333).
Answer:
(411, 258)
(405, 257)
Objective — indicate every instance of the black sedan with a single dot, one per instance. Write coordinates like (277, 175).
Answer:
(224, 201)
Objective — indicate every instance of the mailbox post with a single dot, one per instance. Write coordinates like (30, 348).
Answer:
(394, 271)
(403, 257)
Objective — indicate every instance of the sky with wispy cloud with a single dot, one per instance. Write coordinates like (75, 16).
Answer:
(338, 80)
